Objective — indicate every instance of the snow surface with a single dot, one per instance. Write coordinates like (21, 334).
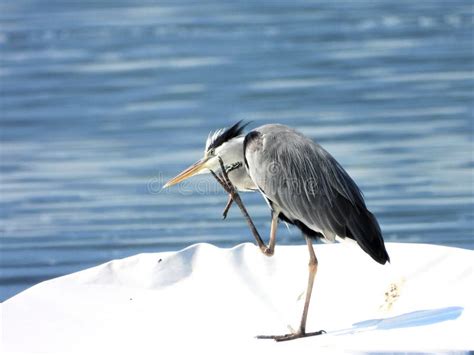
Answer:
(205, 299)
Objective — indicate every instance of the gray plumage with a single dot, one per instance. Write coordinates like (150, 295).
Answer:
(307, 187)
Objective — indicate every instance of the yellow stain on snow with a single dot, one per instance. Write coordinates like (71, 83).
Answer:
(392, 294)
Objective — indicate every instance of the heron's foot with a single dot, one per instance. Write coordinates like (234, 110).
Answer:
(224, 213)
(229, 187)
(224, 181)
(291, 336)
(266, 250)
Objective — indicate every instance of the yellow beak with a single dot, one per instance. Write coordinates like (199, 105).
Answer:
(192, 170)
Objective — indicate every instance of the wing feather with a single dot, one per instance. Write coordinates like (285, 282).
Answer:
(306, 184)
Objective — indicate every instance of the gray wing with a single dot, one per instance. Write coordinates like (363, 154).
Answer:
(309, 188)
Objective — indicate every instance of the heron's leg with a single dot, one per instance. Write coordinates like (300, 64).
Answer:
(227, 206)
(229, 188)
(230, 199)
(313, 269)
(225, 182)
(301, 333)
(273, 228)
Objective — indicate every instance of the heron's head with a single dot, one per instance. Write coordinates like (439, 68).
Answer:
(226, 143)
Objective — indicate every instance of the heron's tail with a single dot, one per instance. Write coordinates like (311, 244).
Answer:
(364, 228)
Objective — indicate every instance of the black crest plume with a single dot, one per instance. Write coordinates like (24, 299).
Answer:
(221, 136)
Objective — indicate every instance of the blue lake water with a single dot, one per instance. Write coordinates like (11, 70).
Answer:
(103, 101)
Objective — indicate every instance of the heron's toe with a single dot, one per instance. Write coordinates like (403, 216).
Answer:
(290, 336)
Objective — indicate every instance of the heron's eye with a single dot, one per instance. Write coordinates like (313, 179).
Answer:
(211, 152)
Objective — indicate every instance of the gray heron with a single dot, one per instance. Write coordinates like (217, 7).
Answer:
(302, 184)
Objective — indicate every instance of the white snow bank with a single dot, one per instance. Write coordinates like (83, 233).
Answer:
(210, 300)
